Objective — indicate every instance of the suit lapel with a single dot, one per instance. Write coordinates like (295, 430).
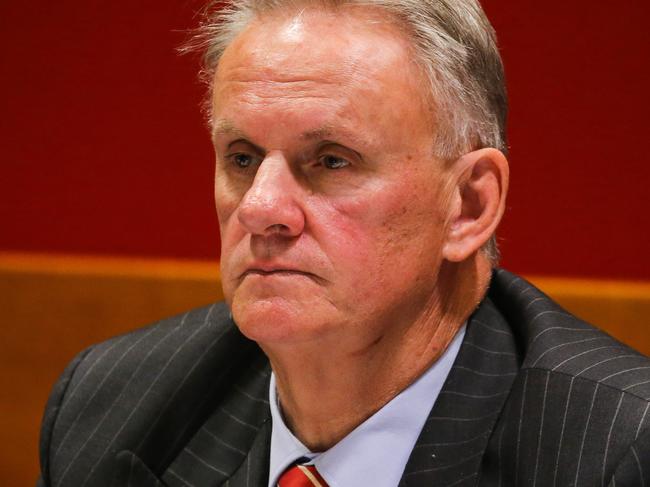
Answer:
(130, 471)
(254, 471)
(222, 444)
(452, 443)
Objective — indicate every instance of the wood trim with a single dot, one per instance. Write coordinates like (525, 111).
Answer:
(621, 308)
(90, 265)
(592, 288)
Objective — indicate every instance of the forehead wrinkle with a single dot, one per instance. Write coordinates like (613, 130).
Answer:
(271, 75)
(258, 87)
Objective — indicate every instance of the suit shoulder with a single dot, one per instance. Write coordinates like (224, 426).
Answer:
(154, 343)
(215, 316)
(172, 344)
(552, 339)
(121, 391)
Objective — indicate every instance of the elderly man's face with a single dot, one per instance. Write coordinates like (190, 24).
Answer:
(328, 196)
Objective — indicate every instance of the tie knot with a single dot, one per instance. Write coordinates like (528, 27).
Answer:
(301, 476)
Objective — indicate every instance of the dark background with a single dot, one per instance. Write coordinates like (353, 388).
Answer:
(103, 149)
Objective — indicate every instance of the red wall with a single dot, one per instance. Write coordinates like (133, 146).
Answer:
(103, 149)
(102, 145)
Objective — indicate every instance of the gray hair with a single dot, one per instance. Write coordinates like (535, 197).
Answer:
(454, 44)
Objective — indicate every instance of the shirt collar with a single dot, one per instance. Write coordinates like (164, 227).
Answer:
(375, 452)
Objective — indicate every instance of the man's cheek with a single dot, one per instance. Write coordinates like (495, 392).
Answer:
(357, 267)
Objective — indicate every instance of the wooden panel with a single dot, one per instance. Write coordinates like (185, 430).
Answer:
(54, 306)
(619, 307)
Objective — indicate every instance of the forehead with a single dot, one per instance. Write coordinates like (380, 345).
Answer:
(325, 45)
(352, 33)
(305, 70)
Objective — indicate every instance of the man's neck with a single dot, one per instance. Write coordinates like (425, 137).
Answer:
(327, 389)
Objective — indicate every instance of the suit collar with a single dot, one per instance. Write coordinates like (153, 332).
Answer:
(453, 441)
(252, 472)
(130, 470)
(224, 442)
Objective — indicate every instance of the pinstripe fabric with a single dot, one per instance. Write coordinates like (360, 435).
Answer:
(148, 394)
(578, 404)
(451, 445)
(222, 443)
(535, 398)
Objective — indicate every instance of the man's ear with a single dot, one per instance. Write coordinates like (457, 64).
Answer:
(479, 183)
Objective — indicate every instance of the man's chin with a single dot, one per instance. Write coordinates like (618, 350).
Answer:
(276, 320)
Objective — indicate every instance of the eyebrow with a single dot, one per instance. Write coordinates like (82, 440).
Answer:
(227, 127)
(320, 133)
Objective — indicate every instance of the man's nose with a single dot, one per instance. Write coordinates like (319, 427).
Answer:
(271, 205)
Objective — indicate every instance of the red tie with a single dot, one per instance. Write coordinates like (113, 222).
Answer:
(301, 476)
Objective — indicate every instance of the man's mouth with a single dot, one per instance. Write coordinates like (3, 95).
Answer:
(271, 272)
(279, 272)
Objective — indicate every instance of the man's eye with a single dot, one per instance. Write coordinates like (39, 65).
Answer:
(242, 160)
(333, 162)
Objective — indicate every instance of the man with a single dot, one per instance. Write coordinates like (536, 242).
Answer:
(360, 178)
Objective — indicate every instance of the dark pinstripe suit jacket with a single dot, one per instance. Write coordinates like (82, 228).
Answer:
(535, 397)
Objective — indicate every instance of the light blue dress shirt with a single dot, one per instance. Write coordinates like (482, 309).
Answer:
(375, 452)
